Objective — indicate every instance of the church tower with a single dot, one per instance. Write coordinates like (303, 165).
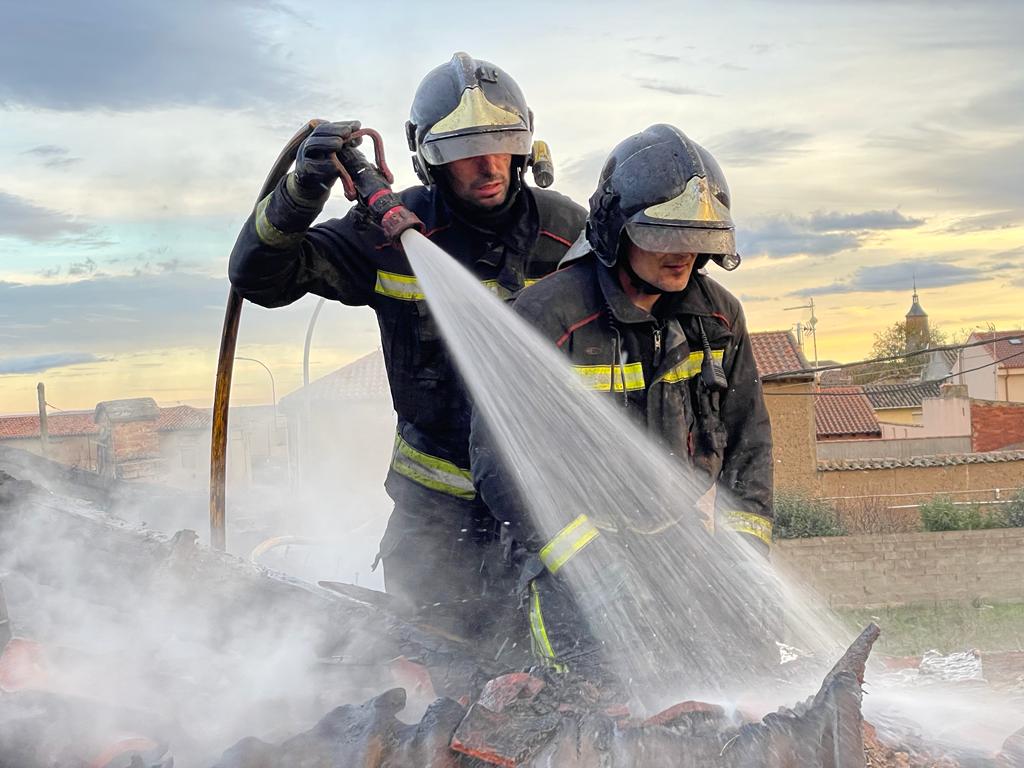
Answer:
(916, 325)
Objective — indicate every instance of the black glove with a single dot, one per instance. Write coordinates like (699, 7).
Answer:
(314, 169)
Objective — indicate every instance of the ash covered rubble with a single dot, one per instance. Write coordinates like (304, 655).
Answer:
(66, 702)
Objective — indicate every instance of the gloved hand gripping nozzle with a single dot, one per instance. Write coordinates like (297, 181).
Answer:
(371, 185)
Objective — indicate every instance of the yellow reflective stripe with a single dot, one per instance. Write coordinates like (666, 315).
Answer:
(539, 633)
(397, 286)
(269, 234)
(407, 287)
(567, 542)
(754, 525)
(605, 378)
(690, 367)
(431, 472)
(497, 289)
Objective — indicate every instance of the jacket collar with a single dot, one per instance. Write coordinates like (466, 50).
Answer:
(520, 226)
(690, 301)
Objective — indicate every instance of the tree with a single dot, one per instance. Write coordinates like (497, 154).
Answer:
(892, 342)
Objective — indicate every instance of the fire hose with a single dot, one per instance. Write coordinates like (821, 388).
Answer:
(369, 184)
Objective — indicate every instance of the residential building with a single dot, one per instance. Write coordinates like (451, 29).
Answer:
(993, 369)
(789, 393)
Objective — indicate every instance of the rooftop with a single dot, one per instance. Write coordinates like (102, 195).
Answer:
(776, 352)
(362, 379)
(176, 418)
(1007, 346)
(944, 460)
(844, 412)
(884, 396)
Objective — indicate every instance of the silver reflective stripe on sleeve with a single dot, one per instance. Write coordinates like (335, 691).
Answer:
(270, 235)
(432, 472)
(569, 541)
(754, 525)
(398, 286)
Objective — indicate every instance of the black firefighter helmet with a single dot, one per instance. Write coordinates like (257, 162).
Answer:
(465, 108)
(667, 194)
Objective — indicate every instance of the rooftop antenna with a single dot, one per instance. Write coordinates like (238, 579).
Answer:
(812, 325)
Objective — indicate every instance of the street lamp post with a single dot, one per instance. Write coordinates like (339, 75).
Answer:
(273, 387)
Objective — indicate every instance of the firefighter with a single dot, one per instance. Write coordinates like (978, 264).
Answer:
(637, 314)
(471, 133)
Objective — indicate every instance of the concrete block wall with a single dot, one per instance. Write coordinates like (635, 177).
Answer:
(876, 571)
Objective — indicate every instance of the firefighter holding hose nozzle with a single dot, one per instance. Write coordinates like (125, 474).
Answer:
(471, 133)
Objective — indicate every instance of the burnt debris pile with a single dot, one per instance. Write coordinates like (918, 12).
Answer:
(125, 647)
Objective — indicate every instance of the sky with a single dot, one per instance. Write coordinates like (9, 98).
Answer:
(867, 145)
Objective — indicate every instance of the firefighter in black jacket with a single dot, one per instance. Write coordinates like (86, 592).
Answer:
(472, 134)
(638, 318)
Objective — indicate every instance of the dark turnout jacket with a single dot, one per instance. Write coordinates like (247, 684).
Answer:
(651, 364)
(278, 258)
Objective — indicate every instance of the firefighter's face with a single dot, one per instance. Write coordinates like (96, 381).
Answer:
(481, 181)
(668, 272)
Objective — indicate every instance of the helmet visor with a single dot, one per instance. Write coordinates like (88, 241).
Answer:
(661, 238)
(448, 149)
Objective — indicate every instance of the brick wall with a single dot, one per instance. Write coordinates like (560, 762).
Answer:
(909, 568)
(135, 440)
(996, 425)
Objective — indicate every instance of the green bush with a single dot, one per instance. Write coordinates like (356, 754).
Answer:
(1015, 511)
(941, 514)
(799, 517)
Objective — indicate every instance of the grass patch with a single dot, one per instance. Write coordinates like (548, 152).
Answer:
(913, 630)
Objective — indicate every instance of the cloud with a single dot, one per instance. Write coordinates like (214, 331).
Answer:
(583, 171)
(123, 55)
(53, 156)
(111, 314)
(78, 268)
(832, 221)
(1002, 106)
(673, 88)
(748, 147)
(39, 363)
(899, 276)
(822, 233)
(986, 222)
(47, 150)
(780, 238)
(27, 221)
(662, 58)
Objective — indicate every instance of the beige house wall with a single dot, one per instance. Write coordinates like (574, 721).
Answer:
(74, 450)
(899, 415)
(1010, 384)
(791, 410)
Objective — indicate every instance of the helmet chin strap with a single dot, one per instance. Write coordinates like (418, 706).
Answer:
(638, 282)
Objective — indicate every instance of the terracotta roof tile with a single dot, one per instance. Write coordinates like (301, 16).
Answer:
(900, 395)
(1005, 344)
(63, 424)
(183, 417)
(844, 412)
(362, 379)
(79, 423)
(776, 352)
(944, 460)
